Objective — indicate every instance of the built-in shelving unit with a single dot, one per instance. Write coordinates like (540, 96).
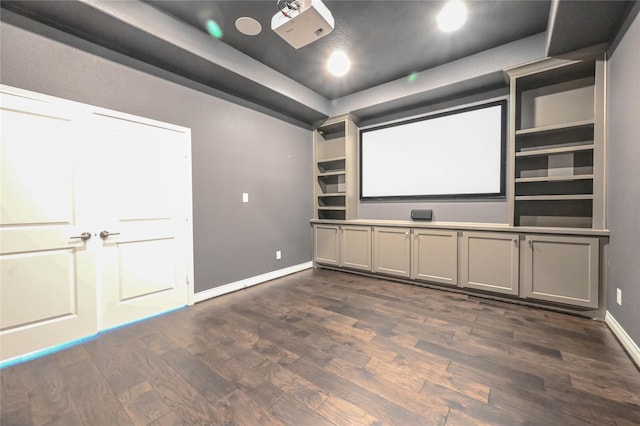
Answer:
(335, 169)
(557, 142)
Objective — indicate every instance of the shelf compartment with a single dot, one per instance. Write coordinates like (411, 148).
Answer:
(572, 213)
(325, 201)
(332, 131)
(332, 183)
(332, 165)
(332, 214)
(330, 143)
(555, 164)
(556, 104)
(555, 187)
(564, 73)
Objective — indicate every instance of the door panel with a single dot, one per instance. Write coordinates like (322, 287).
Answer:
(356, 247)
(490, 261)
(147, 268)
(47, 286)
(145, 176)
(326, 244)
(562, 269)
(392, 251)
(435, 256)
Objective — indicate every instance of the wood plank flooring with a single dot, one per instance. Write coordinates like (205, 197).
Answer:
(327, 348)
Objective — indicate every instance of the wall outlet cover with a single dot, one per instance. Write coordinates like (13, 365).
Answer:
(619, 296)
(245, 197)
(278, 255)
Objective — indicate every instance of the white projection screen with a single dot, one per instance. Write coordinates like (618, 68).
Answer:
(457, 154)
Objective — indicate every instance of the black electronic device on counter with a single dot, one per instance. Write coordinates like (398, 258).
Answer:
(421, 214)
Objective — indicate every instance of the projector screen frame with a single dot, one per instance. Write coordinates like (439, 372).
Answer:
(501, 194)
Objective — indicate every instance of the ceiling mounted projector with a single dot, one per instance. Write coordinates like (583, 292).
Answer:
(301, 22)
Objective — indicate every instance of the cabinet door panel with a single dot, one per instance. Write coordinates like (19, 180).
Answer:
(435, 256)
(490, 262)
(326, 249)
(562, 269)
(356, 247)
(392, 249)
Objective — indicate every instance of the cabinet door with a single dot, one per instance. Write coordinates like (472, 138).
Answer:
(490, 261)
(325, 244)
(356, 247)
(435, 256)
(392, 249)
(562, 269)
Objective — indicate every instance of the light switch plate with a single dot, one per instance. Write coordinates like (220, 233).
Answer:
(245, 197)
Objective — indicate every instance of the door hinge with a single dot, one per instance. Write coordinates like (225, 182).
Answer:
(187, 280)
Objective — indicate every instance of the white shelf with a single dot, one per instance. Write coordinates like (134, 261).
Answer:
(329, 160)
(554, 197)
(338, 173)
(554, 178)
(551, 151)
(555, 128)
(335, 208)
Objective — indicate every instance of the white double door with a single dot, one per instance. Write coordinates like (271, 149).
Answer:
(68, 175)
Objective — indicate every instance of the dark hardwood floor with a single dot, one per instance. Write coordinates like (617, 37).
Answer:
(327, 348)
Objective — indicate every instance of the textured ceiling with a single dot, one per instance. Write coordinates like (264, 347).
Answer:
(386, 40)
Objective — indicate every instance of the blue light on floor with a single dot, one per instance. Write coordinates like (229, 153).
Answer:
(115, 327)
(44, 352)
(48, 351)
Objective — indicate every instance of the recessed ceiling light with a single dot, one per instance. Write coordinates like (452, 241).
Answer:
(248, 26)
(452, 16)
(338, 63)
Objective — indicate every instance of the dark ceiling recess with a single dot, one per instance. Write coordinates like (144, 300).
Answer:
(386, 41)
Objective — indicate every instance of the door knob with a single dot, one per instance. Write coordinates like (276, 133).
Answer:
(106, 234)
(85, 236)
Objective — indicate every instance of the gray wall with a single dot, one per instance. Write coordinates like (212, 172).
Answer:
(234, 150)
(623, 179)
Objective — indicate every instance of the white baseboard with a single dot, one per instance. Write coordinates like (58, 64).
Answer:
(258, 279)
(627, 342)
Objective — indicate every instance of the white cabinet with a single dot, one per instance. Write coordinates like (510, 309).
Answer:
(547, 268)
(392, 251)
(355, 247)
(347, 246)
(490, 261)
(435, 256)
(326, 245)
(562, 269)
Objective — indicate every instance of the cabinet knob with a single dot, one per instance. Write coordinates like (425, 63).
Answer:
(530, 243)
